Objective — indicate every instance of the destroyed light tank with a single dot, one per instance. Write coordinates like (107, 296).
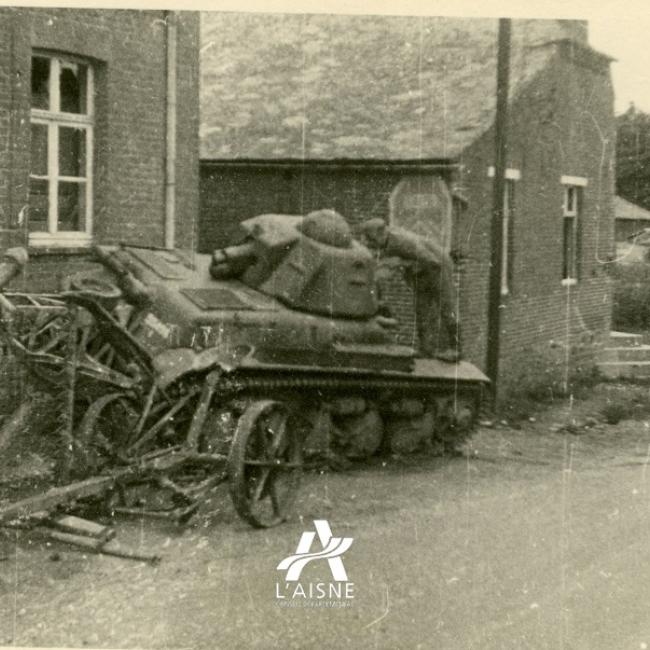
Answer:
(293, 309)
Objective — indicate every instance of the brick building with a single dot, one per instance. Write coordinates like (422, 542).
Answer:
(393, 117)
(98, 132)
(630, 218)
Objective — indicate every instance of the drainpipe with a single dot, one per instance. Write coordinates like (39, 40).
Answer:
(500, 128)
(170, 135)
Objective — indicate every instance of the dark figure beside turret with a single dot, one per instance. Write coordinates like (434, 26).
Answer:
(428, 272)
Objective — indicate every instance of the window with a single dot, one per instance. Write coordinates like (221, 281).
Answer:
(60, 181)
(423, 204)
(570, 239)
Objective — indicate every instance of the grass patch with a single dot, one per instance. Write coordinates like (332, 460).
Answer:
(542, 374)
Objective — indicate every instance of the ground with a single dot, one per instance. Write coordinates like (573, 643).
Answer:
(536, 538)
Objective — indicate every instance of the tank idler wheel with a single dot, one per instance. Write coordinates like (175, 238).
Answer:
(265, 464)
(103, 291)
(97, 288)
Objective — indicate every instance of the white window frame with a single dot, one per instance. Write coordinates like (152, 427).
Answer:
(571, 189)
(511, 176)
(54, 118)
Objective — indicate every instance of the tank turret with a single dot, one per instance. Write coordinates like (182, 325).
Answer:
(311, 264)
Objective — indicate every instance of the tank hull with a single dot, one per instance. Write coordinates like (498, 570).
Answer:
(193, 324)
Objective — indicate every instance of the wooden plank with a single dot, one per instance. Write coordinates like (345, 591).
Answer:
(79, 526)
(82, 541)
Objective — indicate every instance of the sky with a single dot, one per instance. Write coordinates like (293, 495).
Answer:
(620, 28)
(627, 40)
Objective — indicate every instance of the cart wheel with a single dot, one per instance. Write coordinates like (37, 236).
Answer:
(103, 433)
(265, 464)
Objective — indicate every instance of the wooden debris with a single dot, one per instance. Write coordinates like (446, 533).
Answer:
(57, 496)
(95, 545)
(82, 541)
(38, 514)
(113, 548)
(79, 526)
(92, 487)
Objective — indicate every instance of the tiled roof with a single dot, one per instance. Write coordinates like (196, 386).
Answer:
(625, 210)
(299, 86)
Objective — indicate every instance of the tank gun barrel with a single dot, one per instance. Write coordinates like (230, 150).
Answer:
(232, 261)
(134, 289)
(11, 262)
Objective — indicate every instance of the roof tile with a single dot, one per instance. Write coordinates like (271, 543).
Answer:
(364, 87)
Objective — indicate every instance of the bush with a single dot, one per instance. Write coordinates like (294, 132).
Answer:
(624, 402)
(614, 412)
(544, 373)
(631, 309)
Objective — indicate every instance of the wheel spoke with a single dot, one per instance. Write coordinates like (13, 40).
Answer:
(265, 450)
(276, 438)
(261, 484)
(102, 431)
(275, 498)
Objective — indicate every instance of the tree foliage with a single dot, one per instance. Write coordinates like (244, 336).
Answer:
(633, 156)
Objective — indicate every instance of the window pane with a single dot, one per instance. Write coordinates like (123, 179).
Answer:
(72, 152)
(38, 201)
(568, 270)
(39, 150)
(570, 194)
(72, 206)
(73, 84)
(40, 82)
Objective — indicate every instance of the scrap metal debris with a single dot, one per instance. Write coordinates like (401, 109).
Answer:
(78, 532)
(117, 492)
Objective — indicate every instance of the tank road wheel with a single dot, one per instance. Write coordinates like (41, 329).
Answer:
(265, 464)
(103, 433)
(454, 422)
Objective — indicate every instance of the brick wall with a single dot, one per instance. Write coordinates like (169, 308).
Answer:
(561, 124)
(233, 192)
(127, 50)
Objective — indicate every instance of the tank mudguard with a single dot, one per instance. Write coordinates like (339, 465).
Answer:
(170, 365)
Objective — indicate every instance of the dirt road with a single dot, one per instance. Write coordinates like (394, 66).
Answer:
(538, 539)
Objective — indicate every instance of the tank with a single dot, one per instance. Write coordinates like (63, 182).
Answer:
(292, 309)
(262, 353)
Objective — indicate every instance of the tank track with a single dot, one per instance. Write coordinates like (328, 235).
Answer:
(254, 380)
